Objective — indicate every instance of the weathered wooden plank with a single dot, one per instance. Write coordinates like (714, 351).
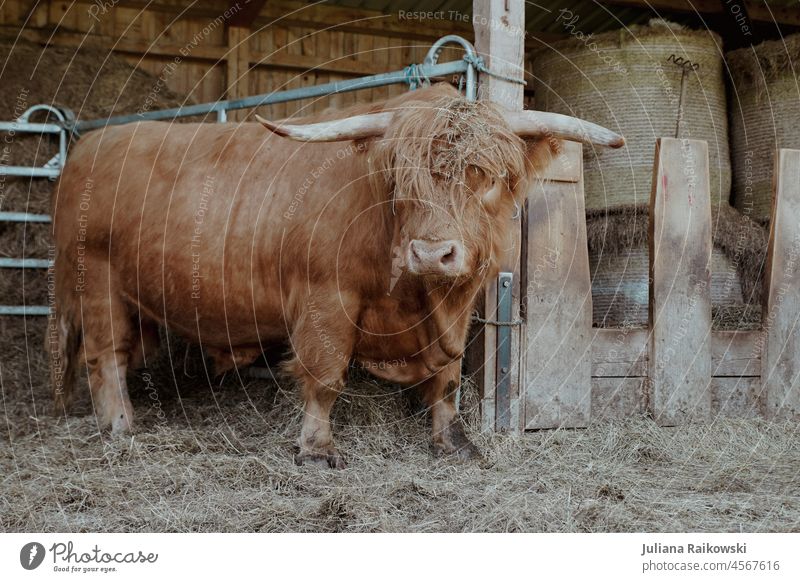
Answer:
(620, 352)
(561, 169)
(734, 353)
(558, 350)
(780, 370)
(624, 352)
(617, 398)
(737, 397)
(680, 274)
(237, 67)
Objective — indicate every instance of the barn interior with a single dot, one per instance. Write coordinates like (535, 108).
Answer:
(215, 454)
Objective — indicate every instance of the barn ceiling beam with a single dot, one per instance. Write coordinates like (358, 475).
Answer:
(757, 11)
(244, 15)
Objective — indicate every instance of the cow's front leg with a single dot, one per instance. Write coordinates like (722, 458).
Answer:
(322, 342)
(439, 394)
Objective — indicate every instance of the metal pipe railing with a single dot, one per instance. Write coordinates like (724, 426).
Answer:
(380, 80)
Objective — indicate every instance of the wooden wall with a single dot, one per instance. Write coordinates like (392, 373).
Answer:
(290, 44)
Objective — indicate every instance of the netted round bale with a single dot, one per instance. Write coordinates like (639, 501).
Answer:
(765, 116)
(660, 80)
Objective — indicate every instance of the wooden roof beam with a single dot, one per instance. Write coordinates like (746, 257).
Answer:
(244, 14)
(757, 11)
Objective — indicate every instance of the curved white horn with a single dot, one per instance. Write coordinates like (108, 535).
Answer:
(355, 127)
(540, 123)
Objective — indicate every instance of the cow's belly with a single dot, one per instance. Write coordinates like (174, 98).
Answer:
(203, 309)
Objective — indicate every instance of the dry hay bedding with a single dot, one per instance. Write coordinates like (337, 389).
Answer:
(216, 456)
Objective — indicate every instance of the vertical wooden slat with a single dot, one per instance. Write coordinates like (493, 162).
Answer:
(680, 289)
(558, 331)
(237, 66)
(381, 57)
(780, 364)
(498, 39)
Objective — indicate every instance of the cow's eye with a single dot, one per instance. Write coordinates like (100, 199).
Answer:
(492, 193)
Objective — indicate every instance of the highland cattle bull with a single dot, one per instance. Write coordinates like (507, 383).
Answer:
(362, 236)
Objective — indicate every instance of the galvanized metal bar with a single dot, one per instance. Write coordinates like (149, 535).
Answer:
(28, 172)
(23, 217)
(9, 263)
(24, 310)
(26, 127)
(394, 77)
(502, 397)
(52, 169)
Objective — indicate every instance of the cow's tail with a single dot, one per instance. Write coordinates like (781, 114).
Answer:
(63, 346)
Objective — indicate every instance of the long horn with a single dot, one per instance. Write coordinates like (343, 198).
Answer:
(355, 127)
(540, 123)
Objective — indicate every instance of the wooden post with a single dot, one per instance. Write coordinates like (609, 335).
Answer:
(558, 330)
(680, 288)
(500, 40)
(780, 364)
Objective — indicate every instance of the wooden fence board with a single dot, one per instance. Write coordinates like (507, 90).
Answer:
(617, 398)
(558, 352)
(737, 397)
(734, 353)
(620, 352)
(680, 298)
(781, 359)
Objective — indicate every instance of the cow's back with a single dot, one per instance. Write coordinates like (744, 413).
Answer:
(216, 222)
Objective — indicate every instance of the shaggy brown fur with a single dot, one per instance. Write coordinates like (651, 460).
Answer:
(296, 244)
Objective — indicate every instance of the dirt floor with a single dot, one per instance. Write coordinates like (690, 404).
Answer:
(218, 457)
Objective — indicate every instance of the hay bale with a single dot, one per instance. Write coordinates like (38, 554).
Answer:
(765, 116)
(618, 258)
(633, 82)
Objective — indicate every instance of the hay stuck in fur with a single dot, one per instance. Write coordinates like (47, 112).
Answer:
(431, 146)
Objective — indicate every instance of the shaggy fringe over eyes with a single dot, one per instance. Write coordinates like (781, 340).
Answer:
(432, 144)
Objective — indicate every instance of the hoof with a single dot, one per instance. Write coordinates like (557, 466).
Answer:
(325, 458)
(119, 420)
(453, 442)
(121, 425)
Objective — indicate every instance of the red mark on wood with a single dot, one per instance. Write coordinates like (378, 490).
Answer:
(664, 184)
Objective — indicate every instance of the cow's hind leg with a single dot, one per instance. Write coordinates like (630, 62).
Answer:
(439, 393)
(108, 337)
(322, 342)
